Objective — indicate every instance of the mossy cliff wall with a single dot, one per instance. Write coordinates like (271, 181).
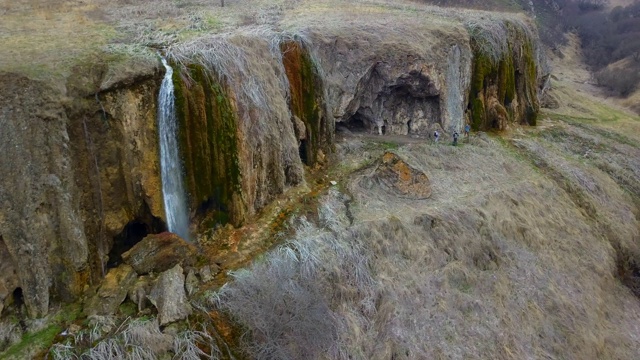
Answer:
(209, 143)
(504, 87)
(307, 102)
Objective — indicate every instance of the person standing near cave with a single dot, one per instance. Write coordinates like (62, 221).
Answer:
(436, 136)
(455, 138)
(467, 128)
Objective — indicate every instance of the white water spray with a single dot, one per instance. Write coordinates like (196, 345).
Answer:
(175, 202)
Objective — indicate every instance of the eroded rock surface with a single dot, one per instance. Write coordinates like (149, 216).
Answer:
(160, 252)
(169, 297)
(112, 292)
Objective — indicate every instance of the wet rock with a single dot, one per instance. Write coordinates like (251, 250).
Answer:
(112, 291)
(160, 252)
(396, 176)
(168, 296)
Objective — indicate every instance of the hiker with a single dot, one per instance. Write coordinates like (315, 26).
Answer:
(455, 138)
(467, 128)
(436, 136)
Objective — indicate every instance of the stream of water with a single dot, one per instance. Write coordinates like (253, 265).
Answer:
(173, 192)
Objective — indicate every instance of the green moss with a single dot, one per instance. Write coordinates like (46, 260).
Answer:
(514, 75)
(208, 141)
(33, 342)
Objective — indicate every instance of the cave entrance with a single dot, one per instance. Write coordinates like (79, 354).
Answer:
(133, 233)
(18, 298)
(358, 123)
(302, 151)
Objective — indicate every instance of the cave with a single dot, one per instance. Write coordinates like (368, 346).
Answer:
(404, 104)
(131, 234)
(18, 297)
(358, 123)
(302, 151)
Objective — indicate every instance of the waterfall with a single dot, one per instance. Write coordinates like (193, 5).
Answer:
(173, 192)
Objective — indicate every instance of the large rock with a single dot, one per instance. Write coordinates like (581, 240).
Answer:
(160, 252)
(395, 176)
(112, 291)
(169, 297)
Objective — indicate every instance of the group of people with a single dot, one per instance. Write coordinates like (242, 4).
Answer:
(467, 129)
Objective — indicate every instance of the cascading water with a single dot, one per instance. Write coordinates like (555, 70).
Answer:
(175, 202)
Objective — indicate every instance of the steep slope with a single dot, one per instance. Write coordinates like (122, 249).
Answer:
(526, 248)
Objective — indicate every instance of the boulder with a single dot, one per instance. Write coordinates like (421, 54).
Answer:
(169, 297)
(395, 176)
(160, 252)
(207, 272)
(112, 291)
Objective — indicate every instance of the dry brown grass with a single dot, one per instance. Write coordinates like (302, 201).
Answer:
(44, 40)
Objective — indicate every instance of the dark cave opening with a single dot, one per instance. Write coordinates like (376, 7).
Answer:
(358, 123)
(133, 233)
(302, 151)
(18, 297)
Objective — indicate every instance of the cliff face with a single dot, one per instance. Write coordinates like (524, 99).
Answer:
(81, 161)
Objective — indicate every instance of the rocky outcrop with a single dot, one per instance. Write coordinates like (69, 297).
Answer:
(168, 296)
(239, 145)
(160, 252)
(395, 176)
(112, 292)
(394, 82)
(505, 78)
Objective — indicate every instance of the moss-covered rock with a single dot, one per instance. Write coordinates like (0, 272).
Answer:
(509, 80)
(306, 101)
(208, 142)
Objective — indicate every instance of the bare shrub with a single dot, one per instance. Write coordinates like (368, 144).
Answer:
(622, 81)
(137, 339)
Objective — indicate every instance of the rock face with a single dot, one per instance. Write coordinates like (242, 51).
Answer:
(395, 176)
(160, 252)
(8, 275)
(112, 292)
(240, 149)
(41, 225)
(394, 82)
(169, 297)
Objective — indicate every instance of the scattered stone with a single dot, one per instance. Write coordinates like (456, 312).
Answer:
(396, 176)
(112, 292)
(207, 272)
(334, 183)
(168, 296)
(191, 283)
(160, 252)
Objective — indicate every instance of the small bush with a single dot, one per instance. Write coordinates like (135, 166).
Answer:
(622, 81)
